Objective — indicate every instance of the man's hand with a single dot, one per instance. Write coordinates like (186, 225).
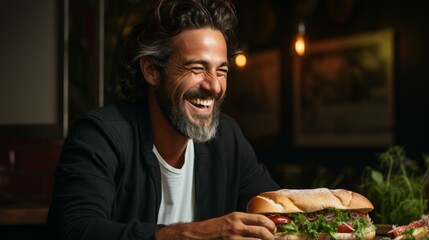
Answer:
(236, 225)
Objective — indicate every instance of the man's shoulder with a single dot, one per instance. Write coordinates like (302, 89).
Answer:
(117, 120)
(226, 122)
(226, 119)
(228, 128)
(117, 111)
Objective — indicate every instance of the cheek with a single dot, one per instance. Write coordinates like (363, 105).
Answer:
(187, 82)
(176, 77)
(223, 84)
(178, 90)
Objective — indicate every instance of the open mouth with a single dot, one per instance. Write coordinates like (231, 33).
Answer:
(201, 103)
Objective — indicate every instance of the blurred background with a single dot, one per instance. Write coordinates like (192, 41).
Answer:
(316, 118)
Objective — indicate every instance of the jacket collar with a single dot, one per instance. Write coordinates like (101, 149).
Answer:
(145, 133)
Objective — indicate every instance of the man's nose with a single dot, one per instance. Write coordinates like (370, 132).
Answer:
(212, 82)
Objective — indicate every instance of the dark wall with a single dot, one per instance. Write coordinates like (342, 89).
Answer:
(327, 19)
(268, 24)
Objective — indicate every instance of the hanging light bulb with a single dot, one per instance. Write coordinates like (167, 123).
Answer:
(240, 60)
(299, 43)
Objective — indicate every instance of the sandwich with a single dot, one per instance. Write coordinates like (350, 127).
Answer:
(418, 229)
(321, 213)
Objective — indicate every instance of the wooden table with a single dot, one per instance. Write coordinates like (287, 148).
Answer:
(17, 214)
(382, 230)
(22, 221)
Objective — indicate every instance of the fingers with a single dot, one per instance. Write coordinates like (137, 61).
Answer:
(260, 220)
(249, 225)
(235, 225)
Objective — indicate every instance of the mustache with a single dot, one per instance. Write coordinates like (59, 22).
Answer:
(203, 94)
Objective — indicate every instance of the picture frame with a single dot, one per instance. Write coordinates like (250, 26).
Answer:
(343, 92)
(33, 100)
(253, 95)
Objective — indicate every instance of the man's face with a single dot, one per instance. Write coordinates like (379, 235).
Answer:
(194, 82)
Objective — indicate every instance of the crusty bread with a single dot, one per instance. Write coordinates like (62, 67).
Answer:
(368, 234)
(308, 200)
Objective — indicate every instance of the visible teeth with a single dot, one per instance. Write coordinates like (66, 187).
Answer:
(205, 103)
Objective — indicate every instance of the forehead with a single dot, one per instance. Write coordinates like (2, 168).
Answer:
(200, 42)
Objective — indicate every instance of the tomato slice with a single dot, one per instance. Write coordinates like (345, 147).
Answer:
(416, 224)
(344, 228)
(399, 230)
(279, 219)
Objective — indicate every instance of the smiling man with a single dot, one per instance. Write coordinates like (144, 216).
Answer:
(193, 86)
(165, 163)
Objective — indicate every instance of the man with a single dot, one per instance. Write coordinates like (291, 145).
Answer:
(167, 165)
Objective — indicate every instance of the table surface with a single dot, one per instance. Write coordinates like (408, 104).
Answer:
(23, 214)
(29, 214)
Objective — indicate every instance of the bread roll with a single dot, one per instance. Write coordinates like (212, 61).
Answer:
(308, 200)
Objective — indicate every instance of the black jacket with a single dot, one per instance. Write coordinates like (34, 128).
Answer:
(107, 183)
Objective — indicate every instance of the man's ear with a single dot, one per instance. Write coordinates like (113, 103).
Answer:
(150, 71)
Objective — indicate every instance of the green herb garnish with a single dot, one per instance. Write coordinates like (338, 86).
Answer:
(397, 187)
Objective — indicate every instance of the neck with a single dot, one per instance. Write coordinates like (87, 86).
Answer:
(170, 144)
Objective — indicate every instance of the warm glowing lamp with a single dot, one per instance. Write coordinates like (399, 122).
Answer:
(300, 41)
(300, 45)
(240, 60)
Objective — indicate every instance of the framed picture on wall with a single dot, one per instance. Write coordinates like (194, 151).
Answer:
(343, 92)
(253, 95)
(33, 71)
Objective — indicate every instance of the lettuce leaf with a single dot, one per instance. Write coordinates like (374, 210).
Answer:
(301, 224)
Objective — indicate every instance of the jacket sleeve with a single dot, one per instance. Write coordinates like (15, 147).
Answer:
(254, 176)
(84, 189)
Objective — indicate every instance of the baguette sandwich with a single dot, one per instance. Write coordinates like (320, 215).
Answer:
(304, 214)
(418, 229)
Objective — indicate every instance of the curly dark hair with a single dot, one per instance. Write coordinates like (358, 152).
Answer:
(152, 38)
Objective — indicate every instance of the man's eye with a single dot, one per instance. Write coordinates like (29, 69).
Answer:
(197, 69)
(222, 72)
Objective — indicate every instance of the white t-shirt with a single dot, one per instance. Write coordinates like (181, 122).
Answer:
(178, 199)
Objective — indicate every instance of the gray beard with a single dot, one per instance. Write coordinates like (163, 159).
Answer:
(198, 133)
(180, 121)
